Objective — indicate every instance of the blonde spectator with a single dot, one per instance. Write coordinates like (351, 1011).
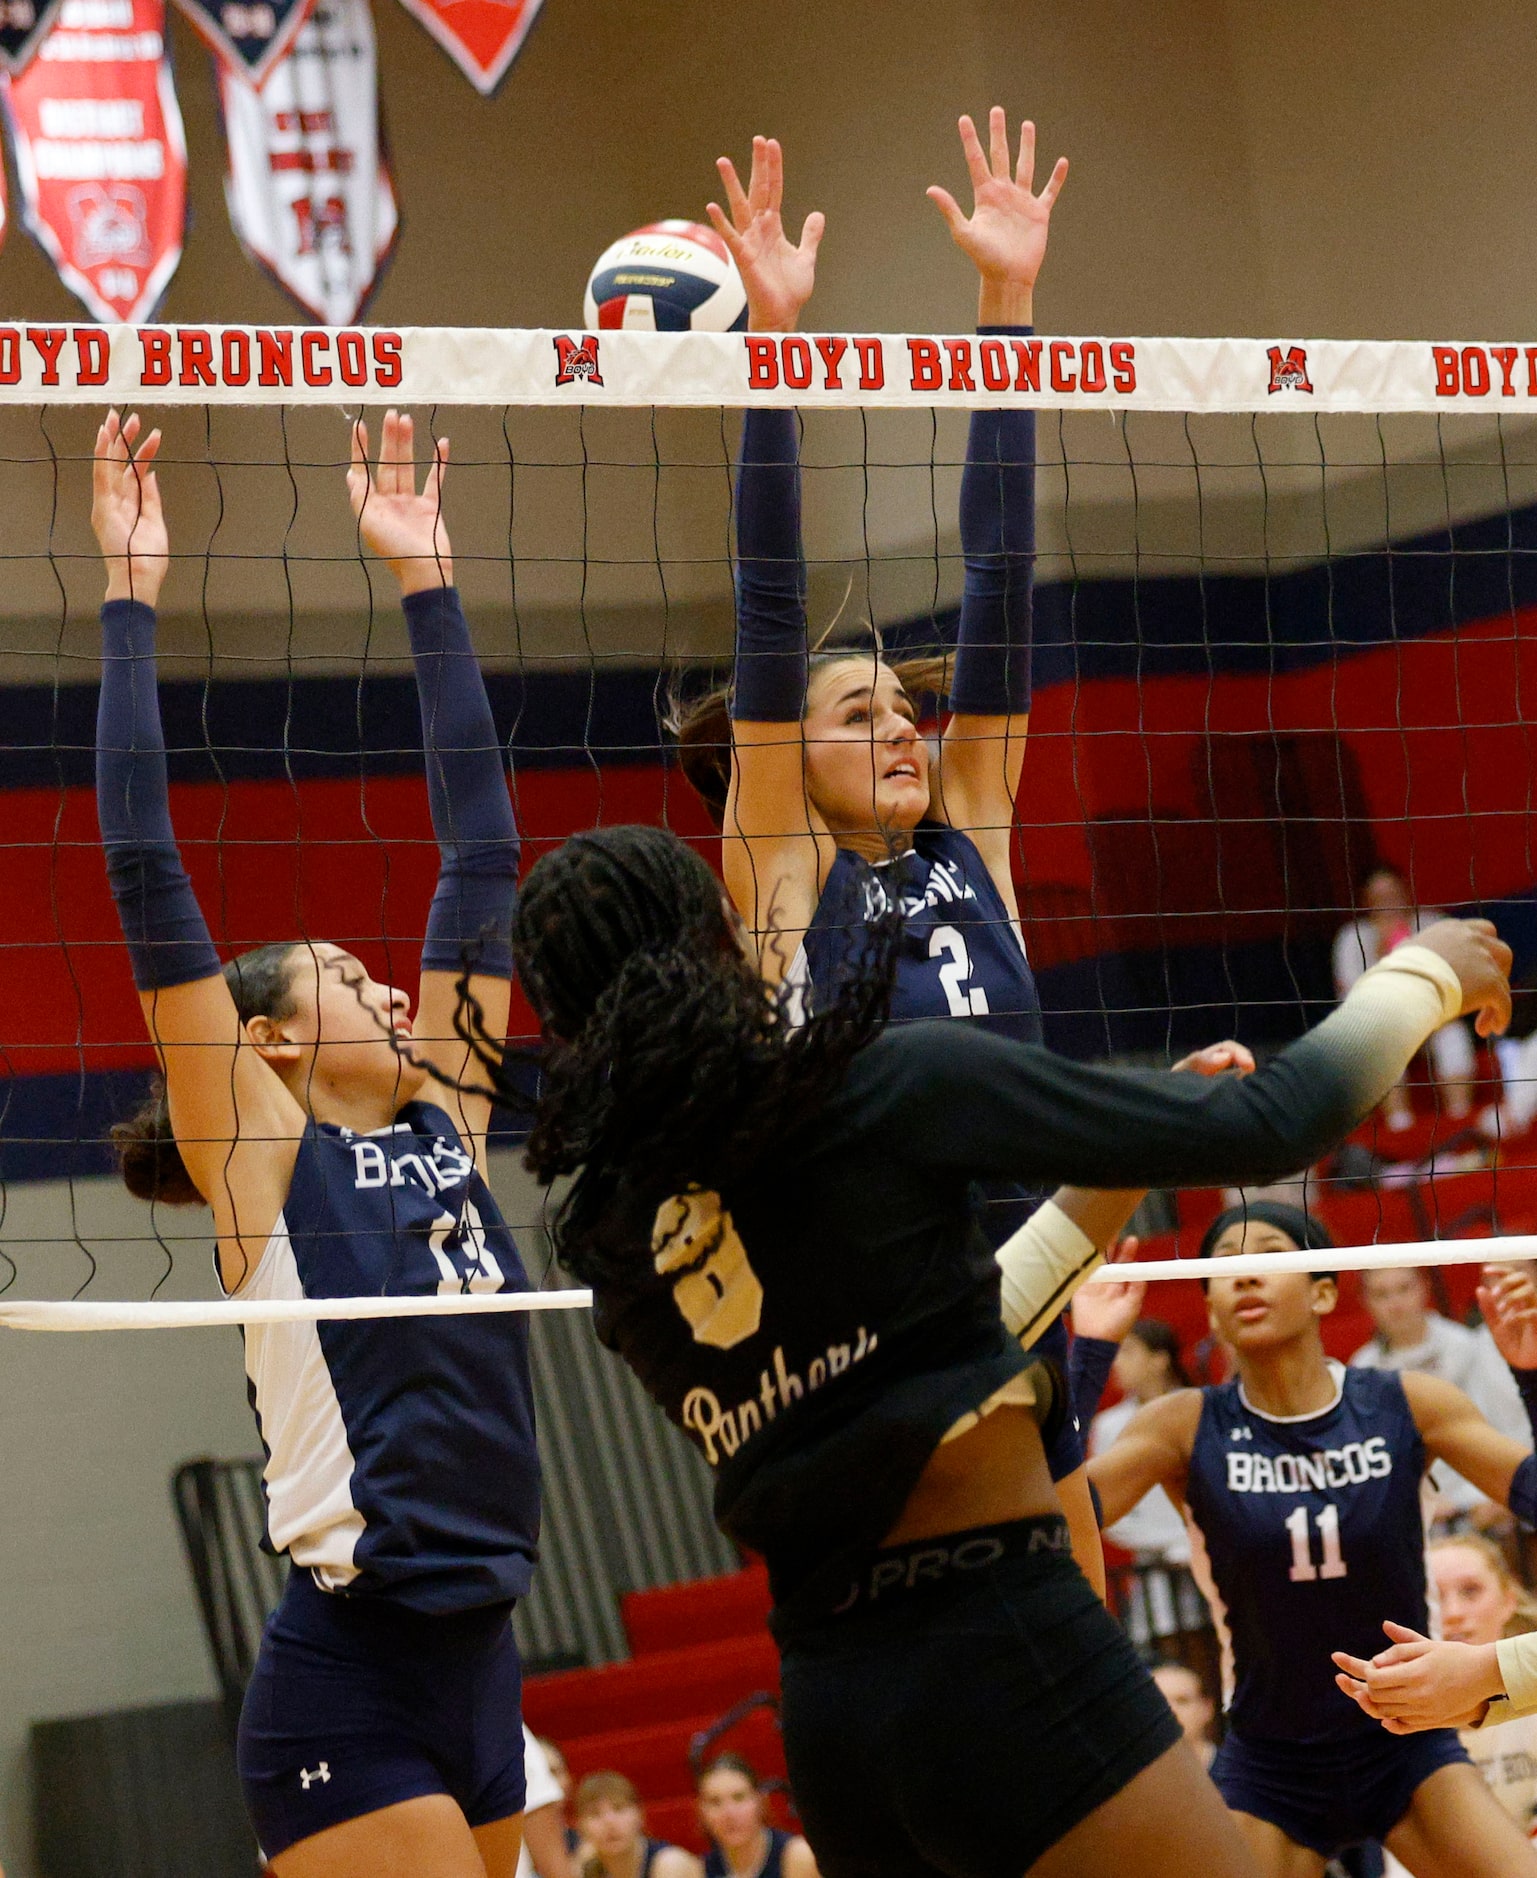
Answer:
(614, 1842)
(1481, 1601)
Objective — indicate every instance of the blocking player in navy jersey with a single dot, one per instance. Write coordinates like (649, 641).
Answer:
(381, 1734)
(1302, 1478)
(821, 778)
(780, 1226)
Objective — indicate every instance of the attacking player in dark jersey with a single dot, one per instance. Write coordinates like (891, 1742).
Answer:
(381, 1734)
(779, 1223)
(1302, 1479)
(815, 765)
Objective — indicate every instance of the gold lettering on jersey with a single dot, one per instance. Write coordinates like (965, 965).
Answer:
(695, 1242)
(721, 1430)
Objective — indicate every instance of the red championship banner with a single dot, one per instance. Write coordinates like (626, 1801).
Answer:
(309, 189)
(100, 156)
(482, 37)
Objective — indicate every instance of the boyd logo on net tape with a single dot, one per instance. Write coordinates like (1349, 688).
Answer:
(354, 365)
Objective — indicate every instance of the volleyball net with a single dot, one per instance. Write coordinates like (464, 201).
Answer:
(1284, 641)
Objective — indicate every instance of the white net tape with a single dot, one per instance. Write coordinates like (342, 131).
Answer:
(82, 1314)
(209, 365)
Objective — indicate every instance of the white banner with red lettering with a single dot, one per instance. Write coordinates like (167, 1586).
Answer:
(482, 37)
(309, 189)
(100, 154)
(490, 366)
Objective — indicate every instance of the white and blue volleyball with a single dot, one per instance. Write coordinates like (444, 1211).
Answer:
(668, 277)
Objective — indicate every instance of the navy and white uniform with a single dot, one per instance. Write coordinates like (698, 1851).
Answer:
(1314, 1534)
(403, 1482)
(773, 1866)
(962, 955)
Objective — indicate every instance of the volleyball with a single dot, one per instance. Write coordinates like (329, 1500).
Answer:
(668, 277)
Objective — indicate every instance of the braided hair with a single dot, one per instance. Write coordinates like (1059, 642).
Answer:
(665, 1061)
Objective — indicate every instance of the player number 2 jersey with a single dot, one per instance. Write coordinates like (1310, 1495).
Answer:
(1314, 1533)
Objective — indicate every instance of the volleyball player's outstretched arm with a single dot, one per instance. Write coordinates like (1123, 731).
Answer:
(984, 742)
(997, 1109)
(777, 849)
(237, 1127)
(469, 926)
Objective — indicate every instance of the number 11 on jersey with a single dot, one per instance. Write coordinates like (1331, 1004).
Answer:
(1303, 1570)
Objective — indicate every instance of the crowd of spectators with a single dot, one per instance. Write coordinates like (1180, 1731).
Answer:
(598, 1830)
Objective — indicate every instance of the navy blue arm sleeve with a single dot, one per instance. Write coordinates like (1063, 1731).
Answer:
(1088, 1370)
(993, 647)
(471, 917)
(769, 680)
(1523, 1487)
(168, 940)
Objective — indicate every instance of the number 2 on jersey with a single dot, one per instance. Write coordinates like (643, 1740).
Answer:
(1303, 1570)
(963, 1002)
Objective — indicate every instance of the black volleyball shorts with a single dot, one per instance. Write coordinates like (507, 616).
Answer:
(960, 1705)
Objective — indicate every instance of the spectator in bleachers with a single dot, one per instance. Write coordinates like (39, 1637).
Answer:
(1411, 1335)
(561, 1773)
(546, 1851)
(733, 1809)
(1481, 1601)
(1147, 1366)
(614, 1843)
(1388, 917)
(1194, 1710)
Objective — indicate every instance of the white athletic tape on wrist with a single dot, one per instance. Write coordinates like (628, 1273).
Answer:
(1043, 1264)
(1420, 962)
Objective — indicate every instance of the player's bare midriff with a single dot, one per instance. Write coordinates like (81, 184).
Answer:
(993, 1473)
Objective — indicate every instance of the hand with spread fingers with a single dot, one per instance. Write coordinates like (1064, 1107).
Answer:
(1508, 1299)
(1005, 234)
(404, 527)
(125, 510)
(1108, 1308)
(777, 272)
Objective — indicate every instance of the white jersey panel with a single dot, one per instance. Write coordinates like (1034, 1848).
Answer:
(310, 1509)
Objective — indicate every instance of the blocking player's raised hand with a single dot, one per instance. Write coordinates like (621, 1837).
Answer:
(778, 273)
(1005, 234)
(1108, 1308)
(404, 526)
(126, 515)
(1508, 1299)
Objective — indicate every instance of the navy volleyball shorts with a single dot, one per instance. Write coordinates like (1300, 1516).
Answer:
(960, 1705)
(1328, 1795)
(357, 1704)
